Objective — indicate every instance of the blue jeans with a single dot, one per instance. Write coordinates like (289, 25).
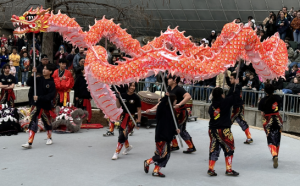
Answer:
(296, 36)
(287, 91)
(282, 36)
(150, 79)
(17, 74)
(24, 77)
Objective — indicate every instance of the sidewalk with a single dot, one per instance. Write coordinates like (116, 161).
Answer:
(84, 159)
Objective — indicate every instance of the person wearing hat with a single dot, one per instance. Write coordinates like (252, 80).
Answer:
(202, 42)
(206, 43)
(45, 61)
(15, 58)
(212, 36)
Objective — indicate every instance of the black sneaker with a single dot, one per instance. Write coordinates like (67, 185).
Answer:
(190, 150)
(146, 166)
(248, 141)
(108, 133)
(211, 173)
(232, 173)
(275, 162)
(174, 148)
(158, 174)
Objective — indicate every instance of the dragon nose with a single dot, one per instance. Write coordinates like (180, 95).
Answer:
(15, 17)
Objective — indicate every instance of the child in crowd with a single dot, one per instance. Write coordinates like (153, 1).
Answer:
(12, 69)
(24, 65)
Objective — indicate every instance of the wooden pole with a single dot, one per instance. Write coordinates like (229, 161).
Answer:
(171, 107)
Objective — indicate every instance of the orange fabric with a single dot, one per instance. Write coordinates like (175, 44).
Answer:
(278, 150)
(126, 144)
(189, 143)
(111, 126)
(248, 134)
(119, 147)
(295, 23)
(63, 86)
(174, 143)
(31, 136)
(150, 161)
(228, 161)
(211, 165)
(273, 150)
(156, 169)
(88, 106)
(49, 134)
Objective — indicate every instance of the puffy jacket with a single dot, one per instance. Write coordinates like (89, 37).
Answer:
(295, 24)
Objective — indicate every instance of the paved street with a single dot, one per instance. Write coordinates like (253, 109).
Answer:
(84, 159)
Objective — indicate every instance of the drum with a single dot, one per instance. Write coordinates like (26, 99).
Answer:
(148, 100)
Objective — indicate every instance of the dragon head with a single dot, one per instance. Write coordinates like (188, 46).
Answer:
(35, 21)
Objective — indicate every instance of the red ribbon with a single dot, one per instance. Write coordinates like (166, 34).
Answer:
(272, 114)
(88, 106)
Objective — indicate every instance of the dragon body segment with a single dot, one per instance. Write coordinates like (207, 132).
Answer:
(269, 58)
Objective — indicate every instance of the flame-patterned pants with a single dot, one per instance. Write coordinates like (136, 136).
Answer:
(182, 116)
(4, 100)
(34, 119)
(238, 116)
(273, 125)
(220, 138)
(161, 154)
(126, 127)
(57, 101)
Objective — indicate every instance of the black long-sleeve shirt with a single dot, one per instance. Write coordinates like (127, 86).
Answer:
(80, 88)
(238, 101)
(219, 110)
(45, 90)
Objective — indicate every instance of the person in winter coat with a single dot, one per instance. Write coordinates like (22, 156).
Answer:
(296, 28)
(164, 132)
(212, 36)
(282, 25)
(290, 52)
(292, 88)
(271, 26)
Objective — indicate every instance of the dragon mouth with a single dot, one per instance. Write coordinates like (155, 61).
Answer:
(23, 26)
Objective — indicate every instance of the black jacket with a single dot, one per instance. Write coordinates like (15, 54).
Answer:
(45, 90)
(271, 28)
(270, 105)
(165, 128)
(80, 88)
(219, 110)
(278, 84)
(293, 87)
(238, 102)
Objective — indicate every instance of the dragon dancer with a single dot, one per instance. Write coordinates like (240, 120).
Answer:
(182, 98)
(122, 89)
(164, 132)
(133, 103)
(219, 130)
(7, 84)
(238, 107)
(272, 121)
(43, 104)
